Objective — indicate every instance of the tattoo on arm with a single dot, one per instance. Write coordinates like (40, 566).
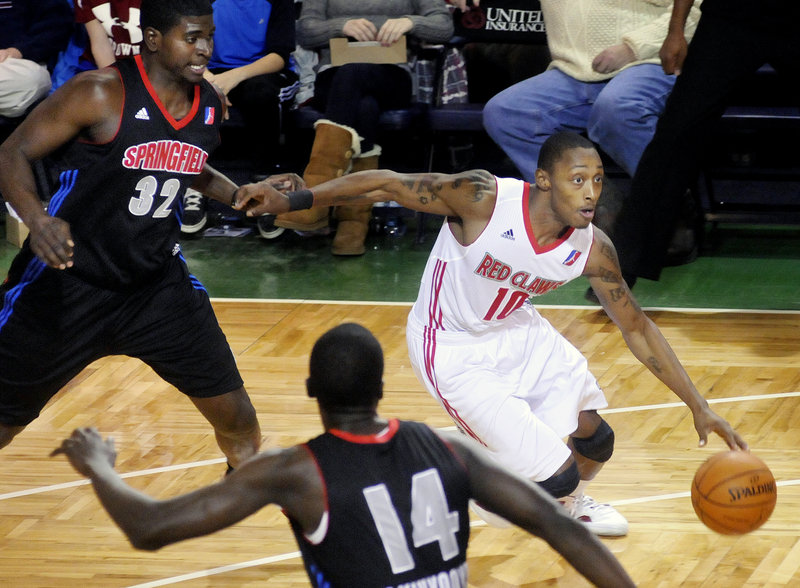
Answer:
(608, 251)
(610, 276)
(472, 186)
(655, 364)
(426, 189)
(478, 185)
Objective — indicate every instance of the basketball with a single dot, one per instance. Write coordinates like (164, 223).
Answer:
(733, 492)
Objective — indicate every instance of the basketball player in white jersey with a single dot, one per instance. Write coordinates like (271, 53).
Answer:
(502, 372)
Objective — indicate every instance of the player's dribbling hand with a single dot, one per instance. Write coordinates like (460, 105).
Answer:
(86, 451)
(708, 421)
(51, 241)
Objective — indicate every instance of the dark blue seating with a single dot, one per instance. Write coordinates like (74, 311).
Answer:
(390, 120)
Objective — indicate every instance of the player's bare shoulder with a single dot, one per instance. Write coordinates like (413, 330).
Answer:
(471, 193)
(94, 100)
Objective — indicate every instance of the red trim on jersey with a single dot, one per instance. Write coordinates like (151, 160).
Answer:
(434, 310)
(526, 196)
(429, 336)
(381, 437)
(177, 124)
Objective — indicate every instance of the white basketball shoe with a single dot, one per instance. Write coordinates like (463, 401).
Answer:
(600, 519)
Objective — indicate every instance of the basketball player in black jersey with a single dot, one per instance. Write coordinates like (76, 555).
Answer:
(101, 272)
(373, 502)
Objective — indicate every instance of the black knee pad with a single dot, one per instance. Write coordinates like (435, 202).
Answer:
(599, 446)
(560, 485)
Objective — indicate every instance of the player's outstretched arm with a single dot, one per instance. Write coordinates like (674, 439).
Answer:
(466, 195)
(646, 341)
(523, 503)
(284, 477)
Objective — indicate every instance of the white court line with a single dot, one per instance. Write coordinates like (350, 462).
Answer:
(710, 401)
(546, 306)
(172, 468)
(219, 570)
(296, 554)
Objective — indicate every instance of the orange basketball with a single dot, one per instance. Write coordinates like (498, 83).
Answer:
(733, 492)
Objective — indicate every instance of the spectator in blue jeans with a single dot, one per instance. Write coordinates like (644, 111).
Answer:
(604, 79)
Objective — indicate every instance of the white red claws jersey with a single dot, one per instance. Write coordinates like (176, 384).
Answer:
(475, 287)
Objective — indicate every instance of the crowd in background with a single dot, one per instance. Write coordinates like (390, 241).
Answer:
(588, 67)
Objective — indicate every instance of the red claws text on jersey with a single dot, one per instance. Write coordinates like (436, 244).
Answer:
(494, 269)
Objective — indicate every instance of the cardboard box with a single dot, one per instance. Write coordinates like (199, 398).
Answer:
(16, 231)
(343, 51)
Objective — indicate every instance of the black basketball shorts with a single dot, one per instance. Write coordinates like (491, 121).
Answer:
(52, 325)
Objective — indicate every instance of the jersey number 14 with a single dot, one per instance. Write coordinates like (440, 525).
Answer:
(431, 520)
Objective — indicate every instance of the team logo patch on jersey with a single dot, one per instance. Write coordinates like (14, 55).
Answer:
(509, 234)
(142, 114)
(209, 118)
(572, 257)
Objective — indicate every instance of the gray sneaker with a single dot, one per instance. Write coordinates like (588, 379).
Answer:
(194, 215)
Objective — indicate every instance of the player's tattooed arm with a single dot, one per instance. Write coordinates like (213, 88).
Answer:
(605, 275)
(458, 191)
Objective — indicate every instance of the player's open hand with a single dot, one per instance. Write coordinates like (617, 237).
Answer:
(707, 421)
(51, 241)
(86, 451)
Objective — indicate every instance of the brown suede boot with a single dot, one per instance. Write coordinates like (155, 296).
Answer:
(334, 147)
(351, 232)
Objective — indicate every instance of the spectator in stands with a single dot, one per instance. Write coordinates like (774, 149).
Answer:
(113, 28)
(31, 36)
(604, 79)
(253, 42)
(734, 39)
(353, 95)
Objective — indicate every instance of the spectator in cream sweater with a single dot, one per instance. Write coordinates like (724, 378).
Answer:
(605, 79)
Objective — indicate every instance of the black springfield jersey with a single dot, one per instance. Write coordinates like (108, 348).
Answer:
(121, 197)
(397, 511)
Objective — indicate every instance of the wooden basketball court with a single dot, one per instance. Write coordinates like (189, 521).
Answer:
(53, 533)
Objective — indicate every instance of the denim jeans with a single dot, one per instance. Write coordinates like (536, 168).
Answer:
(619, 114)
